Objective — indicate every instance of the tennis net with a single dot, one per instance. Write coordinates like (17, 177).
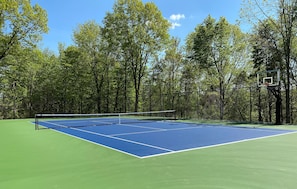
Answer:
(52, 121)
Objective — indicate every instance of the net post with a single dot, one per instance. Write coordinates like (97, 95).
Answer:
(174, 115)
(36, 122)
(119, 119)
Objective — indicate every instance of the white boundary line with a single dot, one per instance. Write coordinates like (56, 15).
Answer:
(140, 132)
(161, 154)
(139, 126)
(105, 146)
(217, 145)
(153, 131)
(109, 136)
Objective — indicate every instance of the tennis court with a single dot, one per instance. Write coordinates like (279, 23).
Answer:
(143, 139)
(48, 159)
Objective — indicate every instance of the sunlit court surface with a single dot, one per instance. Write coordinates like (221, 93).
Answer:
(147, 138)
(145, 153)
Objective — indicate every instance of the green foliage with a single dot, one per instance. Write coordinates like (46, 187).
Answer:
(218, 49)
(20, 24)
(138, 31)
(266, 52)
(279, 18)
(131, 63)
(88, 40)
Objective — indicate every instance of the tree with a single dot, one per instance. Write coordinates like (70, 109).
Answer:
(20, 24)
(139, 31)
(283, 15)
(46, 92)
(171, 67)
(28, 83)
(288, 18)
(74, 85)
(218, 48)
(267, 55)
(88, 39)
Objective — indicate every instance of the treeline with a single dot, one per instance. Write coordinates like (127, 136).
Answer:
(131, 63)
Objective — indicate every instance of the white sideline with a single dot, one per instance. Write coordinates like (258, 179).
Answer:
(167, 151)
(113, 137)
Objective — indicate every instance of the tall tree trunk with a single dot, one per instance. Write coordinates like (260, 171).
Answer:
(287, 83)
(137, 82)
(136, 101)
(269, 107)
(260, 118)
(116, 99)
(98, 90)
(125, 87)
(278, 105)
(222, 100)
(288, 19)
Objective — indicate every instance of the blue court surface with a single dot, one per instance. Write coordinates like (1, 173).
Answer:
(149, 139)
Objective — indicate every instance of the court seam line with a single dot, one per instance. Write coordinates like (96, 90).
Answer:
(103, 122)
(155, 131)
(217, 145)
(139, 126)
(140, 132)
(117, 138)
(89, 119)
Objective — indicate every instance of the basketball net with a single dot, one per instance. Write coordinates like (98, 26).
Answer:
(266, 84)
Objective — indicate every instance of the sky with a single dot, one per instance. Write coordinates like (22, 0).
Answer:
(64, 16)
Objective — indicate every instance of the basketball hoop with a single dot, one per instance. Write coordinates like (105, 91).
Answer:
(269, 79)
(269, 86)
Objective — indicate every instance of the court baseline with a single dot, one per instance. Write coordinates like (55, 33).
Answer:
(150, 141)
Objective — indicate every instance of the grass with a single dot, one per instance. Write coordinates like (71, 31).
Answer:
(46, 159)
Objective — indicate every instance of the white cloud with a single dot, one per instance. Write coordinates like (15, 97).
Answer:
(174, 25)
(174, 20)
(176, 17)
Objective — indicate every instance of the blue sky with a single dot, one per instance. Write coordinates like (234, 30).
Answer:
(65, 15)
